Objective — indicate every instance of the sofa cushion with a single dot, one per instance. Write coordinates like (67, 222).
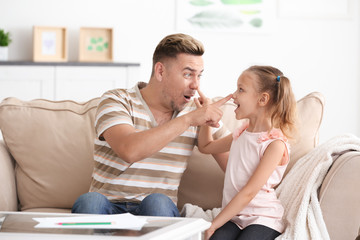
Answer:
(52, 144)
(8, 197)
(202, 182)
(310, 113)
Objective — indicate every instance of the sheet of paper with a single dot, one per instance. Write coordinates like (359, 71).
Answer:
(113, 221)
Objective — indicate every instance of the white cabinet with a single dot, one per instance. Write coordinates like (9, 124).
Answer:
(79, 83)
(75, 81)
(26, 82)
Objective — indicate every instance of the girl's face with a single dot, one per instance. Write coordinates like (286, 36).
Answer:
(246, 96)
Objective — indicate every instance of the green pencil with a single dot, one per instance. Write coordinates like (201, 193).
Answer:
(84, 223)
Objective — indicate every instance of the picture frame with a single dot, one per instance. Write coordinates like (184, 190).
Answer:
(225, 16)
(95, 44)
(50, 44)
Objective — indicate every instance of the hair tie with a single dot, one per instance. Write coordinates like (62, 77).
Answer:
(278, 79)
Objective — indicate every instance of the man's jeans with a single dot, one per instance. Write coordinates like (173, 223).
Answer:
(155, 204)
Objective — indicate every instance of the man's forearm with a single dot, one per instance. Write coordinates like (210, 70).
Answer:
(132, 146)
(140, 145)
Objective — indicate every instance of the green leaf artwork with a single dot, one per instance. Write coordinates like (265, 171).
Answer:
(213, 18)
(256, 22)
(97, 44)
(236, 2)
(200, 2)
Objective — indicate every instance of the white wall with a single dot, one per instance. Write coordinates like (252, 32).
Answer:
(319, 52)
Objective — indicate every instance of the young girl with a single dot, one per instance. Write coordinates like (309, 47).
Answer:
(259, 154)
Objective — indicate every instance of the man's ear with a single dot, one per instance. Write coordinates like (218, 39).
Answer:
(159, 70)
(264, 99)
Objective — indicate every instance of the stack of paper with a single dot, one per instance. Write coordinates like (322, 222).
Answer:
(114, 221)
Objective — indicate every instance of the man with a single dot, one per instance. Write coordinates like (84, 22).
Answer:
(146, 134)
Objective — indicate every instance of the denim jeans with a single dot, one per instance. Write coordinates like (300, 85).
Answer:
(155, 204)
(231, 231)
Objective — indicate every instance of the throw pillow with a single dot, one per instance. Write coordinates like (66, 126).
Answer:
(52, 144)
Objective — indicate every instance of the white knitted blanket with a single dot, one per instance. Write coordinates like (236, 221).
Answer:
(194, 211)
(298, 191)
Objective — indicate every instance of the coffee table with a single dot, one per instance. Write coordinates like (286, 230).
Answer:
(20, 225)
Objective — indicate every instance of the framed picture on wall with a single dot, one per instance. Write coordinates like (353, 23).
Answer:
(234, 16)
(50, 44)
(96, 44)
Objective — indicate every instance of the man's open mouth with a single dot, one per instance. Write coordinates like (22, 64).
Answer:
(187, 97)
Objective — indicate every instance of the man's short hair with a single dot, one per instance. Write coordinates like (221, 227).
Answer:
(172, 45)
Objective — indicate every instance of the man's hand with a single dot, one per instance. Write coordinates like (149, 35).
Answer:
(202, 100)
(208, 113)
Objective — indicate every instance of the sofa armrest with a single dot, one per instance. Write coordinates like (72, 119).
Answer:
(8, 196)
(340, 197)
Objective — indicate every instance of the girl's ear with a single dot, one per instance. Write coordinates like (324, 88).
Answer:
(264, 99)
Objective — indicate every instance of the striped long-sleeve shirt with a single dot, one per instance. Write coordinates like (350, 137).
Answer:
(161, 172)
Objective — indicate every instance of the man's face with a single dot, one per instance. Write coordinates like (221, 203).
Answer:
(181, 79)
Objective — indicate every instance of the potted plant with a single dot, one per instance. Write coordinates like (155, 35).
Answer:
(5, 40)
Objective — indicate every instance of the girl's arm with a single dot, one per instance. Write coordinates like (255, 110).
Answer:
(206, 144)
(218, 147)
(271, 159)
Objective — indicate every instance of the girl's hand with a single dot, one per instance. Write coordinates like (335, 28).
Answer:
(209, 232)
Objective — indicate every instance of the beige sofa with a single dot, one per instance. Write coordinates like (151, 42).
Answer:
(46, 161)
